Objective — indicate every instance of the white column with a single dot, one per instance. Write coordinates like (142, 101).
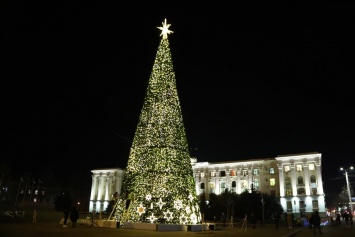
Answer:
(250, 177)
(306, 179)
(217, 184)
(108, 187)
(294, 182)
(93, 194)
(281, 180)
(319, 179)
(238, 181)
(228, 180)
(100, 192)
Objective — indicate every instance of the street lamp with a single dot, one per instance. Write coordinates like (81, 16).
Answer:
(348, 186)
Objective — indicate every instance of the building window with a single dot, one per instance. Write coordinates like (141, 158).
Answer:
(299, 167)
(287, 168)
(223, 185)
(313, 179)
(272, 182)
(222, 173)
(289, 205)
(255, 171)
(302, 205)
(256, 184)
(234, 185)
(202, 186)
(311, 166)
(213, 174)
(212, 187)
(232, 173)
(243, 184)
(288, 182)
(244, 172)
(301, 191)
(202, 175)
(272, 171)
(314, 191)
(315, 205)
(300, 180)
(288, 192)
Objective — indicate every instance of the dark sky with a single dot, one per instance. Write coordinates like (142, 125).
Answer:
(253, 81)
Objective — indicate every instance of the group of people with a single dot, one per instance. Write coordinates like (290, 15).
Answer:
(313, 219)
(73, 215)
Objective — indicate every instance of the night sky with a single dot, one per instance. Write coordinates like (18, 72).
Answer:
(253, 81)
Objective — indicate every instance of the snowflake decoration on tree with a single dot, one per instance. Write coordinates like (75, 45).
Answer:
(178, 204)
(183, 219)
(152, 218)
(148, 197)
(193, 218)
(168, 215)
(140, 209)
(160, 203)
(188, 209)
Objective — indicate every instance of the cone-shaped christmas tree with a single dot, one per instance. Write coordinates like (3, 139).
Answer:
(159, 172)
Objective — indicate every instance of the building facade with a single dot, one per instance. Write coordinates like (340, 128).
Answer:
(105, 182)
(295, 179)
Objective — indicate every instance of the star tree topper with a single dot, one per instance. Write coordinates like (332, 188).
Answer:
(165, 30)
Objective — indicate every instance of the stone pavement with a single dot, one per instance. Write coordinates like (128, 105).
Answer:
(56, 230)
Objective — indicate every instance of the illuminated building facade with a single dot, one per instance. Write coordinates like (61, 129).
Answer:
(296, 179)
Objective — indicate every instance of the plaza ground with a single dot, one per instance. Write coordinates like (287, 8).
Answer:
(48, 224)
(55, 230)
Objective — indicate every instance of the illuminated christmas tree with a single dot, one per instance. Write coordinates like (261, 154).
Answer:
(159, 171)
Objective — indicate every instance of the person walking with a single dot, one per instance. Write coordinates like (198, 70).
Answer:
(316, 223)
(34, 218)
(66, 215)
(289, 220)
(74, 216)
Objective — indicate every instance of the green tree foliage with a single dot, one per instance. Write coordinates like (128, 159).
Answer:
(159, 171)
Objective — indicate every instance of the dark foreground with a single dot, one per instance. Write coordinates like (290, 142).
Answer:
(57, 230)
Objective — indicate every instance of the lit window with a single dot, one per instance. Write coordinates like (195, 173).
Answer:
(202, 175)
(255, 171)
(298, 167)
(244, 172)
(232, 173)
(311, 166)
(272, 171)
(256, 184)
(288, 192)
(211, 186)
(223, 185)
(272, 182)
(213, 174)
(286, 168)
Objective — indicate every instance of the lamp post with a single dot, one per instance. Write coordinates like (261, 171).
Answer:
(348, 186)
